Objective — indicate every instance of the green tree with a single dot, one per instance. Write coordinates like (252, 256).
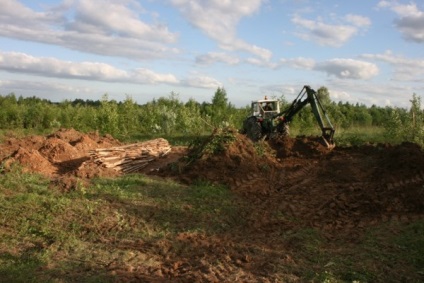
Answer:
(11, 115)
(34, 115)
(394, 126)
(405, 125)
(190, 118)
(362, 117)
(219, 107)
(416, 123)
(107, 120)
(324, 96)
(129, 117)
(378, 114)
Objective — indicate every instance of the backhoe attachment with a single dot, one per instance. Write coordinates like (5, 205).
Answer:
(308, 96)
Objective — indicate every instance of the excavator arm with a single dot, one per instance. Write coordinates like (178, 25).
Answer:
(308, 96)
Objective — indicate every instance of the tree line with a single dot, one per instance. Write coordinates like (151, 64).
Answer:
(170, 116)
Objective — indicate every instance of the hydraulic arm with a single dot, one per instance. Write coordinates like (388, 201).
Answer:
(308, 96)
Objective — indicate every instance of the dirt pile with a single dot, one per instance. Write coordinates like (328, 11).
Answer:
(342, 189)
(225, 157)
(301, 146)
(64, 156)
(59, 155)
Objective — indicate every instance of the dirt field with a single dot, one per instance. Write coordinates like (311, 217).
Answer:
(340, 192)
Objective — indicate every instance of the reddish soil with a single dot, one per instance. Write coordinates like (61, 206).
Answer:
(340, 192)
(343, 187)
(62, 156)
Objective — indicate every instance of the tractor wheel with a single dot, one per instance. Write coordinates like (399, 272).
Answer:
(253, 129)
(283, 129)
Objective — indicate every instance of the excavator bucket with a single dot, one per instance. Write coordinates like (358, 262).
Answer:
(327, 136)
(329, 144)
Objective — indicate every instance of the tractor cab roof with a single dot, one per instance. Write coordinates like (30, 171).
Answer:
(265, 100)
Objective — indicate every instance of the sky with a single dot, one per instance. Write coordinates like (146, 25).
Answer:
(366, 52)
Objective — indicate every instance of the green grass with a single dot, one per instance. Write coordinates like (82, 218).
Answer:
(356, 136)
(353, 136)
(63, 234)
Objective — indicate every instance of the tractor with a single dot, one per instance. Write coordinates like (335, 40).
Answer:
(266, 121)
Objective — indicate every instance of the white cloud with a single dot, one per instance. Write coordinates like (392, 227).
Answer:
(357, 20)
(42, 87)
(202, 81)
(388, 93)
(218, 20)
(116, 29)
(261, 63)
(334, 35)
(338, 95)
(51, 67)
(410, 22)
(214, 57)
(14, 13)
(348, 68)
(148, 76)
(405, 69)
(238, 44)
(116, 18)
(299, 63)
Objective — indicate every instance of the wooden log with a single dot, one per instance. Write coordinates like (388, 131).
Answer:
(132, 157)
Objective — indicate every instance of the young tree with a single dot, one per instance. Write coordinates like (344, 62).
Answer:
(416, 124)
(405, 125)
(10, 113)
(324, 96)
(219, 107)
(107, 120)
(129, 119)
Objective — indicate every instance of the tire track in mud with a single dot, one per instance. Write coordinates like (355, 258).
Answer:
(348, 203)
(417, 179)
(362, 204)
(277, 179)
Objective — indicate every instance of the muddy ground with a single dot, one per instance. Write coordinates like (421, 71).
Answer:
(340, 192)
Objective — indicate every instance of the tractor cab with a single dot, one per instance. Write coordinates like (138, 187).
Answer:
(265, 108)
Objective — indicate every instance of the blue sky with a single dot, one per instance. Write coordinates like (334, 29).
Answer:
(367, 52)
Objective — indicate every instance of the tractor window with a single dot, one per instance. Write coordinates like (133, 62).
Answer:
(255, 109)
(267, 106)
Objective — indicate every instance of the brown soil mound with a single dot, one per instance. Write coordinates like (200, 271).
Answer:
(343, 189)
(60, 155)
(57, 150)
(224, 158)
(32, 161)
(302, 146)
(64, 156)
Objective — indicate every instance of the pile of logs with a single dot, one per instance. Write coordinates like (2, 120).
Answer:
(132, 157)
